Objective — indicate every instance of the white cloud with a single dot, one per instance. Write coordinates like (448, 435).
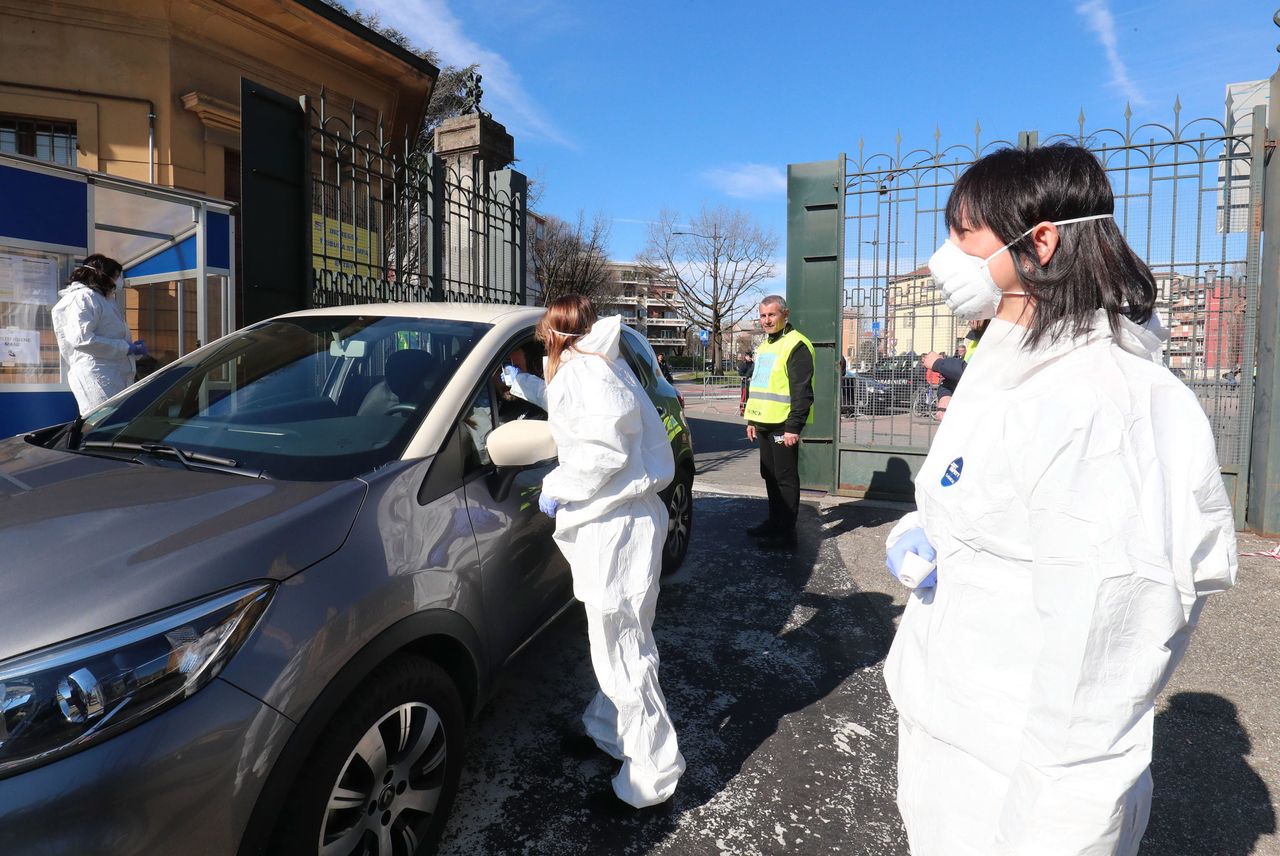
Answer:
(1098, 17)
(748, 181)
(430, 24)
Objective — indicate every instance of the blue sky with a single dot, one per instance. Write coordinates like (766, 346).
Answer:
(627, 107)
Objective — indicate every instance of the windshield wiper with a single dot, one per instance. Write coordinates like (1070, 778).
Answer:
(190, 460)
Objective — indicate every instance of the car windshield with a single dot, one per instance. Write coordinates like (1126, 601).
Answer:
(314, 398)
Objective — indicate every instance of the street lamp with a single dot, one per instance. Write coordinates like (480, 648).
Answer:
(714, 238)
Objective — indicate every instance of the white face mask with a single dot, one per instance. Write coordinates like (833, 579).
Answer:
(965, 280)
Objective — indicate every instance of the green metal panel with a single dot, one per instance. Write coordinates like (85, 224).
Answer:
(880, 472)
(275, 205)
(1264, 461)
(815, 254)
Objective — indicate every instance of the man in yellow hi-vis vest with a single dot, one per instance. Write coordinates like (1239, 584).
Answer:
(779, 405)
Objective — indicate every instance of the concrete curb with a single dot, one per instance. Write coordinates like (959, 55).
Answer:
(825, 500)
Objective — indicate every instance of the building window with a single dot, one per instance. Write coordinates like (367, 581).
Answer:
(43, 139)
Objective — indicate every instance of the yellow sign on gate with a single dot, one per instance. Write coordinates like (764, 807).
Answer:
(343, 248)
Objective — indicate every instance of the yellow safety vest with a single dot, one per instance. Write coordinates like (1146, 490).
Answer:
(769, 394)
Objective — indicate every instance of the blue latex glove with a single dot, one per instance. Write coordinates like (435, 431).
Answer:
(509, 374)
(547, 505)
(912, 541)
(138, 348)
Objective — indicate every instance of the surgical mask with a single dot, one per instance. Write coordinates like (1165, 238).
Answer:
(965, 280)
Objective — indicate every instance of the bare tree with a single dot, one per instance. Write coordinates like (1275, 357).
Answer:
(717, 263)
(573, 258)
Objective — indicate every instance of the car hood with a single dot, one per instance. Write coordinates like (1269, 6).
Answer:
(87, 543)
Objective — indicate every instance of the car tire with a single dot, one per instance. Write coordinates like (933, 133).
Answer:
(384, 772)
(679, 501)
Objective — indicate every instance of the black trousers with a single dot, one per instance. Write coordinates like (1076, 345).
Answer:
(780, 469)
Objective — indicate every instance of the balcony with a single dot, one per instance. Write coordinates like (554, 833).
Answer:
(667, 322)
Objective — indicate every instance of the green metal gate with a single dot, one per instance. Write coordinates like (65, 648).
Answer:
(1189, 199)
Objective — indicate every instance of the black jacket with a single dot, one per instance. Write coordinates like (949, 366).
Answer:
(951, 368)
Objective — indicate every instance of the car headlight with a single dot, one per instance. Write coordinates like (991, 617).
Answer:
(61, 699)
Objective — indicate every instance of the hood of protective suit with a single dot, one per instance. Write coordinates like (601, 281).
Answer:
(604, 338)
(1009, 362)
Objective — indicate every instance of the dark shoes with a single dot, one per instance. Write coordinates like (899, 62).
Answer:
(605, 803)
(580, 746)
(780, 541)
(760, 530)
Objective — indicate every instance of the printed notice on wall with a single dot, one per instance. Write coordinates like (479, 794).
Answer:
(19, 347)
(25, 279)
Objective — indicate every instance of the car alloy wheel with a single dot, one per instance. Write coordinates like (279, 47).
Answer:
(390, 787)
(679, 523)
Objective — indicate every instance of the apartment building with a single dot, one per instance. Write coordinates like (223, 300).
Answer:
(649, 303)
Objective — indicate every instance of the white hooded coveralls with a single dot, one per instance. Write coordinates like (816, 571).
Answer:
(614, 457)
(93, 340)
(1074, 497)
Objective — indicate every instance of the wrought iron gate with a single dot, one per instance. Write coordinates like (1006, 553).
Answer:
(391, 224)
(1188, 199)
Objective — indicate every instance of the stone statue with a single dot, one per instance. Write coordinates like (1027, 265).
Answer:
(472, 95)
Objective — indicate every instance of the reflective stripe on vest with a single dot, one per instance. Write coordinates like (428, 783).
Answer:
(769, 393)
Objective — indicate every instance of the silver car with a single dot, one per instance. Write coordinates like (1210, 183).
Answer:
(249, 604)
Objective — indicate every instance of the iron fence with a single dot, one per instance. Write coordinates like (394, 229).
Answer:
(392, 224)
(1188, 198)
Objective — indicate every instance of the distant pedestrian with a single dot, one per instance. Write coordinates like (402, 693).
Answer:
(779, 405)
(666, 370)
(951, 369)
(92, 335)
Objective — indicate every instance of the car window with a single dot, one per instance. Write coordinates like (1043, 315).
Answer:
(312, 398)
(636, 356)
(494, 404)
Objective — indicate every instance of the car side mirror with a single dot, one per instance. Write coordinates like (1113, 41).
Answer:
(522, 443)
(514, 446)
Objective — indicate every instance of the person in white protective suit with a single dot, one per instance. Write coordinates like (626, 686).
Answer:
(1071, 521)
(92, 335)
(614, 458)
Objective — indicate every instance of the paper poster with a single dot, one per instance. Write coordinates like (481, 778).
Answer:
(26, 279)
(19, 347)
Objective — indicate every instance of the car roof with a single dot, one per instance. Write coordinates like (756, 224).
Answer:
(484, 313)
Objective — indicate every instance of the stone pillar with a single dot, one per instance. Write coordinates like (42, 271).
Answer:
(472, 149)
(466, 142)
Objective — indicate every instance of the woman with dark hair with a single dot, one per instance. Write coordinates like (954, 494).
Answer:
(93, 337)
(1071, 521)
(614, 457)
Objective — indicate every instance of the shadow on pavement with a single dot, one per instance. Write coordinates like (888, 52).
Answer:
(717, 443)
(1207, 799)
(775, 645)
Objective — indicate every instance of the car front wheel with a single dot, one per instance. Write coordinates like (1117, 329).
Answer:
(679, 499)
(383, 776)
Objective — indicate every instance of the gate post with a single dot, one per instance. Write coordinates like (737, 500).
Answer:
(815, 280)
(507, 199)
(275, 202)
(1264, 460)
(432, 224)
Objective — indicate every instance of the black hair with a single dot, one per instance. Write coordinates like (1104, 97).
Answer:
(99, 272)
(1011, 190)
